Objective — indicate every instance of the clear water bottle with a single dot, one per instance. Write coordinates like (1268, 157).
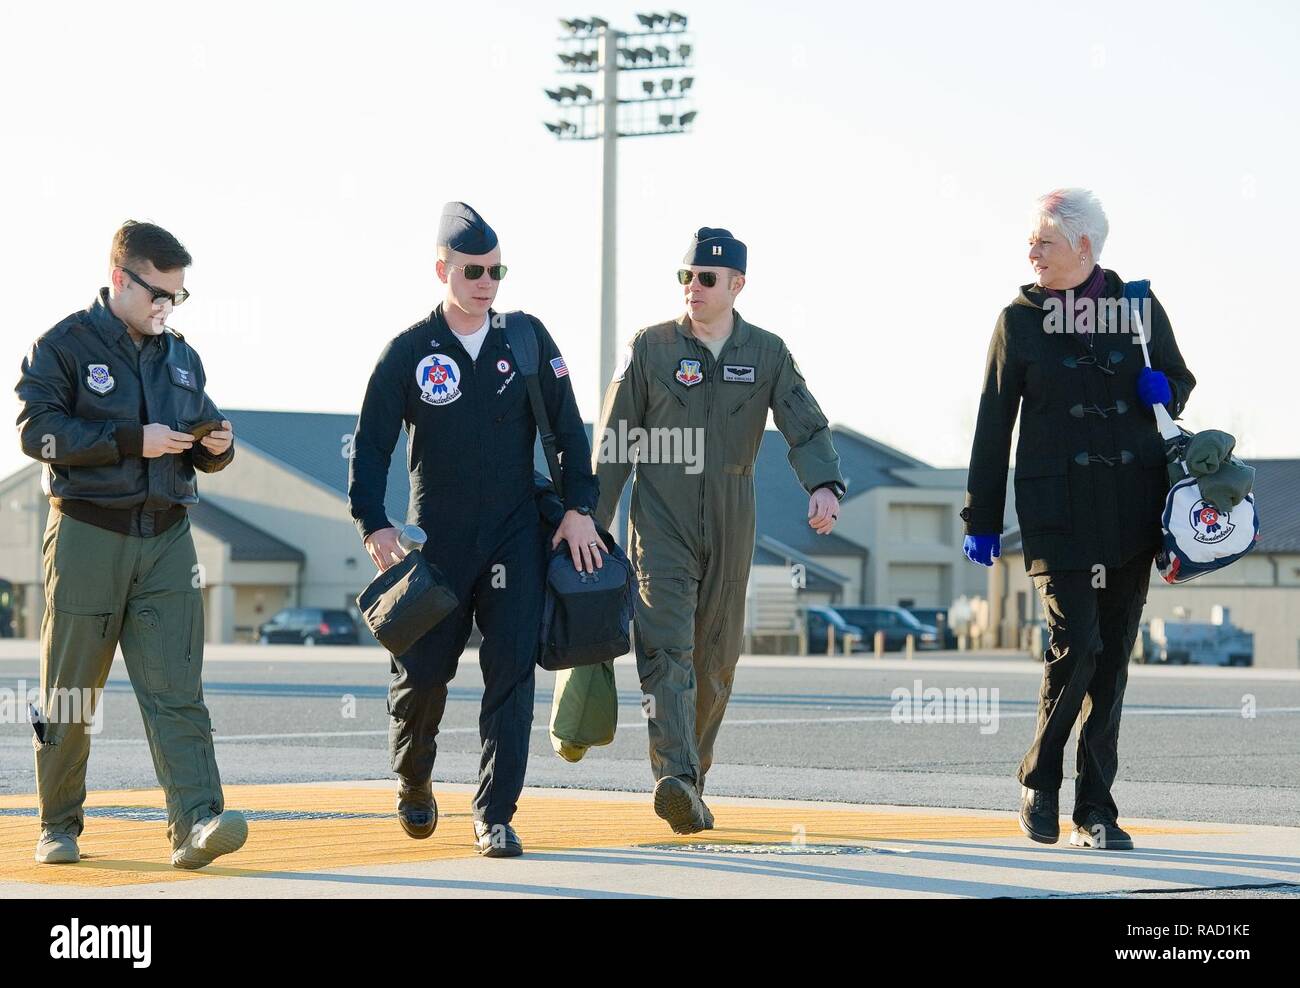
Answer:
(411, 537)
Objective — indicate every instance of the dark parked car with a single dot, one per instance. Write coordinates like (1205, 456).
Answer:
(937, 618)
(895, 622)
(309, 626)
(819, 620)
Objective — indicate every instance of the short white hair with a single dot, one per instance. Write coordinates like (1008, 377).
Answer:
(1075, 213)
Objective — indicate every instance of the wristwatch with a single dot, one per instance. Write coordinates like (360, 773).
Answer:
(584, 509)
(838, 489)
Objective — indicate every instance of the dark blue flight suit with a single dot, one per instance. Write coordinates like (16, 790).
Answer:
(470, 458)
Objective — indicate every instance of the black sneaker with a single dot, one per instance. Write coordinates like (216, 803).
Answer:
(417, 810)
(1101, 832)
(677, 802)
(497, 840)
(1040, 815)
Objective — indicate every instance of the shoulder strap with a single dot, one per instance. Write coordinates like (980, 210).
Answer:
(1134, 293)
(522, 340)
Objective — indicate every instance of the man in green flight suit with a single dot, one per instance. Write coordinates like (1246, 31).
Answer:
(689, 404)
(115, 408)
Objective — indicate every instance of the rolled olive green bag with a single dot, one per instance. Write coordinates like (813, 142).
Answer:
(584, 710)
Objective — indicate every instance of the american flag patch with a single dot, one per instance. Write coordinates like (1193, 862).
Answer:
(558, 365)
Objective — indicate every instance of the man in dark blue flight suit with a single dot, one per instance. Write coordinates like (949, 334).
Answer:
(452, 382)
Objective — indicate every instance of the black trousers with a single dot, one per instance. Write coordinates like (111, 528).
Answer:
(1091, 631)
(503, 589)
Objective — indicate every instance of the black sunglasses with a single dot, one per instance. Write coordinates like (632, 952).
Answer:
(475, 271)
(707, 278)
(175, 298)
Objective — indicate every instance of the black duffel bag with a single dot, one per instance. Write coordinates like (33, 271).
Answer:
(405, 601)
(586, 617)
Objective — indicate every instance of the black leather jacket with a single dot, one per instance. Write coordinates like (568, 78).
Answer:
(86, 395)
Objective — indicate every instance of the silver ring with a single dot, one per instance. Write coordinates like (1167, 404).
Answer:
(593, 545)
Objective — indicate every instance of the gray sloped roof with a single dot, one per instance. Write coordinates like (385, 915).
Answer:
(783, 503)
(313, 444)
(1277, 501)
(815, 576)
(248, 543)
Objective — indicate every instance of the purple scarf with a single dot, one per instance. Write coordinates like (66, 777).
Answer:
(1090, 288)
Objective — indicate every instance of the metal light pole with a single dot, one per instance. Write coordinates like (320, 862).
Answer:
(594, 47)
(608, 52)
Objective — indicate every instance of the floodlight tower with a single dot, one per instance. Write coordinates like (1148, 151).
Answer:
(593, 47)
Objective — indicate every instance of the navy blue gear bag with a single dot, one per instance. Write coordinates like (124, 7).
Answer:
(586, 618)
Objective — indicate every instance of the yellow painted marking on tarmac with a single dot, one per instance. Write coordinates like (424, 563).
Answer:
(128, 852)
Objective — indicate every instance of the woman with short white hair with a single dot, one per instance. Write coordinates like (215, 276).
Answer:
(1090, 484)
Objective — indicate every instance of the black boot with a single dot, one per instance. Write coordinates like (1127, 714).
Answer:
(704, 807)
(1101, 832)
(417, 810)
(677, 802)
(1040, 816)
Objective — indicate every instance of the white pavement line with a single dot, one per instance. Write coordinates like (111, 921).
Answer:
(1008, 661)
(755, 722)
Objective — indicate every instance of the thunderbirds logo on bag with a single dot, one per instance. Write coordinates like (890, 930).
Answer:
(688, 372)
(1209, 523)
(439, 379)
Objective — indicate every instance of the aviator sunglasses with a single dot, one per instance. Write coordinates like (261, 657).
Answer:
(707, 278)
(475, 271)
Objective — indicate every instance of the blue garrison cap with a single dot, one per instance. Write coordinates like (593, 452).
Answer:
(714, 247)
(463, 230)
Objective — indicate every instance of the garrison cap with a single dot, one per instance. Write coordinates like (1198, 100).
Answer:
(715, 247)
(462, 229)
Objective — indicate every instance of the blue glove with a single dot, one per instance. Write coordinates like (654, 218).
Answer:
(982, 548)
(1153, 387)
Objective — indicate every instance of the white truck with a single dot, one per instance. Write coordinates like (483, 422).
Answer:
(1216, 642)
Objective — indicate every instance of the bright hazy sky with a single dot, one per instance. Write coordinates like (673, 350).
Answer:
(879, 159)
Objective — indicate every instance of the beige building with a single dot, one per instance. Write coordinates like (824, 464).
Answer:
(246, 573)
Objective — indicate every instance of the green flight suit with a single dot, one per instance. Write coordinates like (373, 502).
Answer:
(104, 588)
(691, 532)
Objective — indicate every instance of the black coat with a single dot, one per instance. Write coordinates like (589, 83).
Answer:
(1090, 477)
